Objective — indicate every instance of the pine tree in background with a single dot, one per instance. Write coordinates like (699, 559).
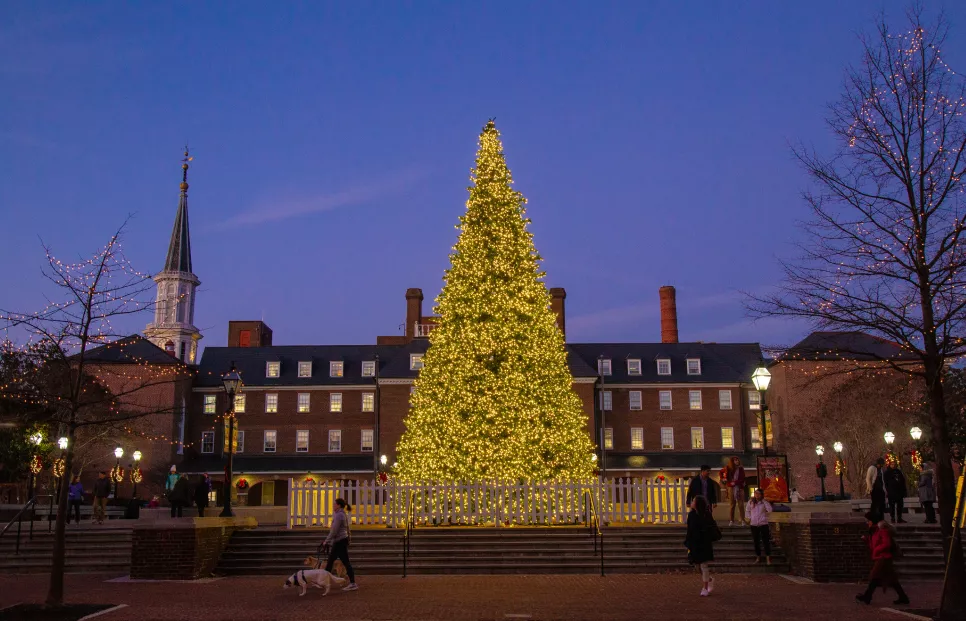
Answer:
(494, 400)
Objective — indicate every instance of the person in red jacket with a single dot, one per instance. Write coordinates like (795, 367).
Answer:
(882, 546)
(736, 490)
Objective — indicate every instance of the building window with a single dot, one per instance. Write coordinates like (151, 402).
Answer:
(727, 437)
(635, 399)
(754, 400)
(305, 368)
(302, 441)
(755, 438)
(724, 399)
(697, 437)
(694, 366)
(240, 442)
(694, 399)
(663, 366)
(271, 403)
(211, 404)
(270, 437)
(415, 362)
(207, 441)
(368, 402)
(366, 440)
(239, 404)
(335, 402)
(335, 440)
(603, 366)
(336, 368)
(667, 438)
(369, 368)
(634, 366)
(609, 438)
(304, 402)
(637, 438)
(665, 399)
(273, 369)
(606, 400)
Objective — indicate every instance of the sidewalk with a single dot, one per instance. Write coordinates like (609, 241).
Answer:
(473, 598)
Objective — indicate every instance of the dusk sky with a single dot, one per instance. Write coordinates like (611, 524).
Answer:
(332, 145)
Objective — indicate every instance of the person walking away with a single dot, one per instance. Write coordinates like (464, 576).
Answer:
(895, 483)
(882, 547)
(75, 496)
(102, 489)
(758, 509)
(699, 541)
(736, 490)
(338, 542)
(180, 496)
(927, 492)
(875, 486)
(703, 485)
(201, 497)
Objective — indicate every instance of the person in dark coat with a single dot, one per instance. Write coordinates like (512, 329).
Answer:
(703, 485)
(895, 483)
(927, 492)
(180, 497)
(699, 541)
(882, 549)
(201, 496)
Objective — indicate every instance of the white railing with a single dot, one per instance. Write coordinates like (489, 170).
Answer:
(620, 501)
(423, 329)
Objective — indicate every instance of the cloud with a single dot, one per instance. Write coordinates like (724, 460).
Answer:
(391, 185)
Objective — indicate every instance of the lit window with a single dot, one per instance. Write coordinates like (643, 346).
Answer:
(694, 399)
(304, 402)
(694, 366)
(368, 402)
(369, 368)
(667, 438)
(609, 438)
(336, 368)
(239, 404)
(415, 362)
(302, 441)
(270, 437)
(606, 400)
(697, 437)
(755, 438)
(240, 443)
(367, 440)
(211, 404)
(635, 399)
(664, 397)
(305, 368)
(663, 366)
(335, 402)
(637, 438)
(335, 440)
(727, 437)
(603, 366)
(271, 403)
(634, 366)
(273, 369)
(207, 441)
(724, 399)
(754, 400)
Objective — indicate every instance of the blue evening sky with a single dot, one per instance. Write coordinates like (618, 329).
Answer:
(333, 141)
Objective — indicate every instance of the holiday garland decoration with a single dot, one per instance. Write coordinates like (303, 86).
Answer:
(59, 467)
(242, 484)
(916, 459)
(117, 474)
(839, 467)
(136, 475)
(891, 459)
(493, 400)
(36, 464)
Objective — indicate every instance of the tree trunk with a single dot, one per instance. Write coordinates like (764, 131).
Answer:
(55, 592)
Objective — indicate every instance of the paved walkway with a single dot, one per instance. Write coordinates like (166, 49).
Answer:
(472, 598)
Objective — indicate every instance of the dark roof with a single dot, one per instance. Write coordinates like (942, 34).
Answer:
(846, 346)
(720, 362)
(133, 349)
(251, 363)
(399, 366)
(280, 463)
(179, 249)
(674, 460)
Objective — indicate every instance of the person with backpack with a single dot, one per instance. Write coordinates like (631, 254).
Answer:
(337, 542)
(703, 531)
(883, 549)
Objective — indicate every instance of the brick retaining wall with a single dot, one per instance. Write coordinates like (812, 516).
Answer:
(824, 547)
(184, 549)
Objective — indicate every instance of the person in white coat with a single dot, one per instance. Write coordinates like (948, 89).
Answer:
(875, 485)
(757, 511)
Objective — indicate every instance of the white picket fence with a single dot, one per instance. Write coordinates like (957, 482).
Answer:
(616, 501)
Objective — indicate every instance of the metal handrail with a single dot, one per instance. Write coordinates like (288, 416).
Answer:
(410, 524)
(595, 529)
(30, 504)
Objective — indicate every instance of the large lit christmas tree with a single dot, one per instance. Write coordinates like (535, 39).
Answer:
(494, 399)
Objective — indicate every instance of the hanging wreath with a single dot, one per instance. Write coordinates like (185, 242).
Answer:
(383, 478)
(136, 475)
(117, 474)
(821, 470)
(59, 467)
(242, 484)
(839, 467)
(309, 480)
(659, 478)
(916, 459)
(36, 464)
(891, 459)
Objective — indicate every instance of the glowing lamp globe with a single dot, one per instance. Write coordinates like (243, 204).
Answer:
(916, 433)
(119, 452)
(838, 447)
(761, 378)
(889, 437)
(819, 450)
(37, 438)
(383, 459)
(232, 381)
(593, 457)
(62, 443)
(136, 455)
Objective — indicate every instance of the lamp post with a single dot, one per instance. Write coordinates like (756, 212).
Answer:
(118, 453)
(603, 418)
(838, 452)
(889, 438)
(36, 439)
(137, 459)
(761, 378)
(822, 470)
(233, 385)
(62, 445)
(916, 434)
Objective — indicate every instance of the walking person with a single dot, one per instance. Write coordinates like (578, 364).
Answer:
(702, 533)
(703, 485)
(882, 547)
(758, 509)
(180, 497)
(895, 483)
(736, 490)
(875, 486)
(75, 496)
(927, 492)
(338, 542)
(102, 489)
(201, 496)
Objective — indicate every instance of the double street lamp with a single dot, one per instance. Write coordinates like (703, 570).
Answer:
(233, 385)
(761, 378)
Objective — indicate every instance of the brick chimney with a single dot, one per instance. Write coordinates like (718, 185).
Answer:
(669, 315)
(557, 297)
(249, 334)
(414, 311)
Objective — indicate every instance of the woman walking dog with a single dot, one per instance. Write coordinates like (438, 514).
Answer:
(338, 542)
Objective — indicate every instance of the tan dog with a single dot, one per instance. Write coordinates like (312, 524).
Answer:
(338, 569)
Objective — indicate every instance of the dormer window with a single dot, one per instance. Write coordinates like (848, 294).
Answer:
(305, 368)
(694, 366)
(336, 368)
(603, 366)
(273, 369)
(633, 366)
(415, 362)
(369, 368)
(663, 366)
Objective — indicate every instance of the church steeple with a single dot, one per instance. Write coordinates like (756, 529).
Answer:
(179, 250)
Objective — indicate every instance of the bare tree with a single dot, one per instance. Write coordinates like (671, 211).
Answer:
(884, 252)
(65, 380)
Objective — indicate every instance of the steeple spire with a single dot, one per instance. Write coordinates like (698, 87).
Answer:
(179, 250)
